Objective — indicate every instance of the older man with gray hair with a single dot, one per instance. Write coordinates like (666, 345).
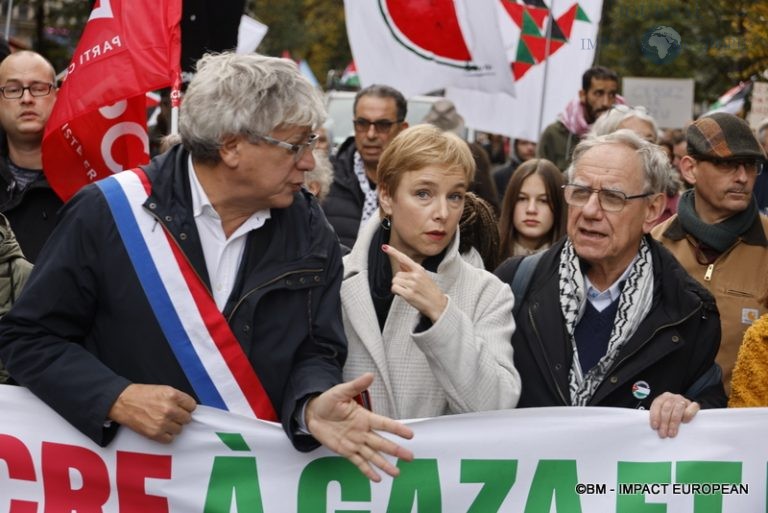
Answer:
(608, 317)
(209, 276)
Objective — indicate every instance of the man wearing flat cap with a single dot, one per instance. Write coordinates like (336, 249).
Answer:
(718, 235)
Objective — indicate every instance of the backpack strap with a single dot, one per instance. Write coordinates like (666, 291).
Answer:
(522, 278)
(713, 376)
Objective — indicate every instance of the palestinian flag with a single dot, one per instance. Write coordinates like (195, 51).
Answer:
(349, 78)
(732, 101)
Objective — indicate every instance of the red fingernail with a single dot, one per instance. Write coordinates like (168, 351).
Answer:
(384, 247)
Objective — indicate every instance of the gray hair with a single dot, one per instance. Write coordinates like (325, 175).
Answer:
(247, 95)
(322, 174)
(384, 91)
(610, 121)
(762, 128)
(653, 160)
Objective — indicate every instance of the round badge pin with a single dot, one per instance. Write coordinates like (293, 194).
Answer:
(641, 389)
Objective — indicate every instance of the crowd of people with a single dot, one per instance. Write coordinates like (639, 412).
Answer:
(408, 274)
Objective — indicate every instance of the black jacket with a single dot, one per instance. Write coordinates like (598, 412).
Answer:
(83, 330)
(673, 347)
(344, 204)
(32, 212)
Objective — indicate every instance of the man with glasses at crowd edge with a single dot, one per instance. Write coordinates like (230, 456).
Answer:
(27, 96)
(718, 235)
(379, 115)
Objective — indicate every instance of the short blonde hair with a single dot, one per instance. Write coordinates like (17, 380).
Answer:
(420, 146)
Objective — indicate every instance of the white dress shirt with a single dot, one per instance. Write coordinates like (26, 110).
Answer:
(601, 300)
(222, 254)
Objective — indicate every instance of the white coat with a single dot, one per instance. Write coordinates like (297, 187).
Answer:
(462, 363)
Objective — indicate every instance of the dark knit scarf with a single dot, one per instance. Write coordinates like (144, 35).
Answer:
(380, 274)
(719, 236)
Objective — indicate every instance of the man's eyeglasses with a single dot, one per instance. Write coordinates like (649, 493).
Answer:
(298, 150)
(16, 91)
(752, 166)
(382, 126)
(610, 200)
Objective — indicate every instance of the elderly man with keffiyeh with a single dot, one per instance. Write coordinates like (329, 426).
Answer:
(609, 318)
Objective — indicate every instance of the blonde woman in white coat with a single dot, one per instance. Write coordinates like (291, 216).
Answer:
(434, 330)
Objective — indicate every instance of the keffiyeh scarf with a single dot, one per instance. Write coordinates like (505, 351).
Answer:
(635, 302)
(371, 203)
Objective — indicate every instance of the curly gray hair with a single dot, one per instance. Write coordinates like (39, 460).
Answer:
(245, 95)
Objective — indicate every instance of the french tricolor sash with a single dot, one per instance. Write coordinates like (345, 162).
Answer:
(199, 335)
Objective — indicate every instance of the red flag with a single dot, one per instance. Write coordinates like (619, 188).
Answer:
(98, 124)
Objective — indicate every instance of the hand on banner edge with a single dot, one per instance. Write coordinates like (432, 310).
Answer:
(670, 410)
(158, 412)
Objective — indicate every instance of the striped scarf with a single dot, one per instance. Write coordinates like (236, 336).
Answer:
(371, 203)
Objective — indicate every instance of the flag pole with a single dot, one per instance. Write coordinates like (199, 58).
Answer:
(175, 102)
(546, 65)
(8, 21)
(174, 120)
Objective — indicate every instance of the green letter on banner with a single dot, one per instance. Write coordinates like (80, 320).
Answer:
(708, 472)
(234, 476)
(418, 478)
(497, 477)
(558, 478)
(313, 484)
(643, 473)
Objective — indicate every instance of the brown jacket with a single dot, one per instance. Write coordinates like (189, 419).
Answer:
(737, 280)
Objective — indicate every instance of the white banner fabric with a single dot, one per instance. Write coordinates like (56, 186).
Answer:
(418, 47)
(564, 460)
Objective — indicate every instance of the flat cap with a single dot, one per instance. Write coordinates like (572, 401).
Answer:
(722, 136)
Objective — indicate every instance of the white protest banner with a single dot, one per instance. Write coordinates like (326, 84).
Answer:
(419, 46)
(668, 100)
(547, 70)
(563, 460)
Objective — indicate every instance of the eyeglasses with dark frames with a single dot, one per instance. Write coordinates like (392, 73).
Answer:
(752, 166)
(298, 150)
(16, 91)
(610, 200)
(382, 126)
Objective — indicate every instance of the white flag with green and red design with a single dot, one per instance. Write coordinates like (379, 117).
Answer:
(549, 45)
(530, 18)
(418, 46)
